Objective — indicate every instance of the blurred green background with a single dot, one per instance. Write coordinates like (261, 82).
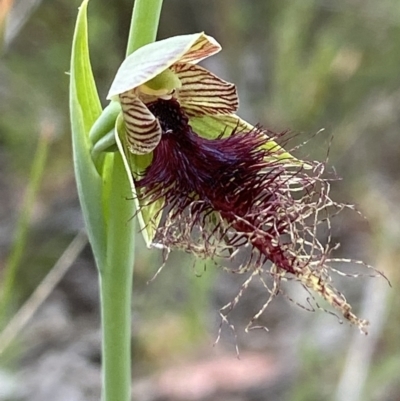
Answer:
(298, 65)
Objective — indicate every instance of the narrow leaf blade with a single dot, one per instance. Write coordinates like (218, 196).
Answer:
(85, 108)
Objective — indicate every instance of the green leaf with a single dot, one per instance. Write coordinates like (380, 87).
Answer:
(85, 108)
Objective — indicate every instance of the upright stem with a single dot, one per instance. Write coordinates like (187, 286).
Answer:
(116, 289)
(144, 24)
(117, 273)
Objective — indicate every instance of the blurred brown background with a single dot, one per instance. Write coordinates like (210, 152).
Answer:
(299, 65)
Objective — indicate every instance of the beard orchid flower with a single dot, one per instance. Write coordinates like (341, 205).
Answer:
(211, 184)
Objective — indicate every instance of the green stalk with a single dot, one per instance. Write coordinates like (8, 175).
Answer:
(144, 24)
(116, 288)
(116, 276)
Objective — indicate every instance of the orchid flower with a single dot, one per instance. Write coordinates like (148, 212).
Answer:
(209, 183)
(169, 72)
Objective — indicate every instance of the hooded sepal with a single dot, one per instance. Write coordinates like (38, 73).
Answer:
(150, 60)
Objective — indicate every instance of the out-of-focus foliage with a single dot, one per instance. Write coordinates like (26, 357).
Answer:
(299, 65)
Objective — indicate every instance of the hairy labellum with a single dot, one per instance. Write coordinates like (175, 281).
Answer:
(230, 193)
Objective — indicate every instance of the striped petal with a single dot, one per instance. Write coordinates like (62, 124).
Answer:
(143, 131)
(150, 60)
(203, 93)
(205, 46)
(148, 215)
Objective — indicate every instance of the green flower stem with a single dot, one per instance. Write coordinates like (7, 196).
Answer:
(116, 274)
(116, 288)
(144, 24)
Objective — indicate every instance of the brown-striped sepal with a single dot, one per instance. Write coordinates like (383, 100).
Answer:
(203, 93)
(142, 128)
(205, 46)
